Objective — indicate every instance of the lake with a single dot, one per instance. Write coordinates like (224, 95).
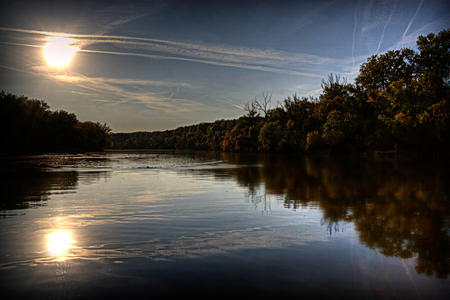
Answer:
(175, 224)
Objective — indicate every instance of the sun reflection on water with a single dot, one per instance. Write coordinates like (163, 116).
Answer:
(58, 243)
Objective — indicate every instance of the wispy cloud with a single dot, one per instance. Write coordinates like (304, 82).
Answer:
(25, 45)
(170, 97)
(385, 25)
(354, 36)
(117, 15)
(18, 70)
(116, 81)
(233, 103)
(313, 93)
(412, 20)
(268, 60)
(120, 21)
(410, 39)
(118, 91)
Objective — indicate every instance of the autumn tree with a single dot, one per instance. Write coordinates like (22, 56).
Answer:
(400, 102)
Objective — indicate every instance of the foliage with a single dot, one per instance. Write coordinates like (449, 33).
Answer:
(399, 103)
(30, 127)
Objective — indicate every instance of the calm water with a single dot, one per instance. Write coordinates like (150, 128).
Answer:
(190, 224)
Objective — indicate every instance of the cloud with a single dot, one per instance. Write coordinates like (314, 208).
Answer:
(267, 60)
(411, 39)
(117, 15)
(412, 20)
(385, 25)
(120, 21)
(118, 91)
(18, 70)
(231, 102)
(313, 93)
(212, 62)
(354, 37)
(121, 93)
(116, 81)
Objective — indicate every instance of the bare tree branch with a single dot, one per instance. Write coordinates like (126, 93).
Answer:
(251, 109)
(265, 105)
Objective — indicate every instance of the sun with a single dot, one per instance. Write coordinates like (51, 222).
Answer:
(59, 51)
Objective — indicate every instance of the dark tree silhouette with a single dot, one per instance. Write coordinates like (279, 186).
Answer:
(30, 127)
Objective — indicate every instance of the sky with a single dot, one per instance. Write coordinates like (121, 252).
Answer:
(157, 65)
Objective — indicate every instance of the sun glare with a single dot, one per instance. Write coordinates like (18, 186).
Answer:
(59, 51)
(59, 242)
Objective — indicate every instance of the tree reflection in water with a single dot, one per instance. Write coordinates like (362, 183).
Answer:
(400, 209)
(24, 190)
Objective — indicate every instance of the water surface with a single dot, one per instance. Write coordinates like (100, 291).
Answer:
(187, 224)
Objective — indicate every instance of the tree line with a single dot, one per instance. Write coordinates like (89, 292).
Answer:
(30, 127)
(399, 103)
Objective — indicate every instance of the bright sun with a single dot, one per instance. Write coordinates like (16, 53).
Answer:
(59, 51)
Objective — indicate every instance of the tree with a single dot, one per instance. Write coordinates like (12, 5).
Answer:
(434, 58)
(270, 135)
(62, 130)
(264, 106)
(334, 128)
(251, 109)
(333, 87)
(30, 127)
(400, 100)
(381, 70)
(93, 136)
(24, 124)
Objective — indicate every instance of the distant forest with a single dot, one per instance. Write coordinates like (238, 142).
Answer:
(30, 127)
(399, 103)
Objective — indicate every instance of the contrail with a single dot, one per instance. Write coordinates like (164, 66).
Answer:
(243, 51)
(237, 105)
(203, 61)
(410, 22)
(353, 40)
(228, 56)
(170, 97)
(385, 25)
(18, 70)
(25, 45)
